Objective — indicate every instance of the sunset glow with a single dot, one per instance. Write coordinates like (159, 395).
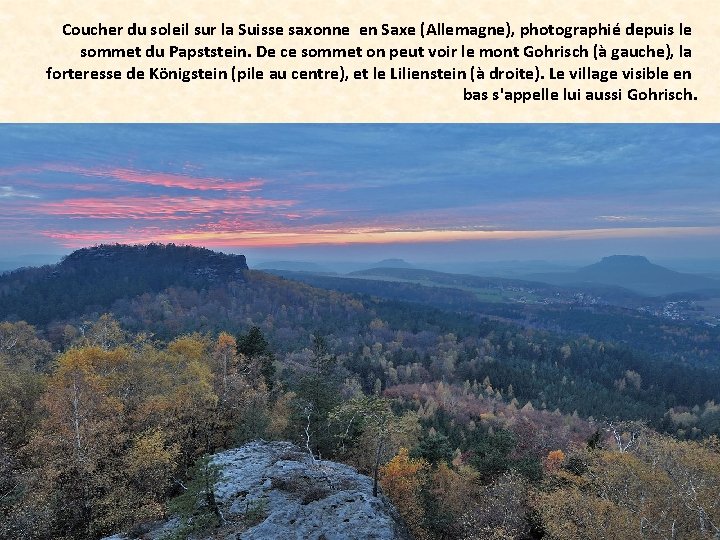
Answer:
(280, 186)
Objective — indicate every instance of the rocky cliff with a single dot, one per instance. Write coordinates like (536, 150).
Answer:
(267, 490)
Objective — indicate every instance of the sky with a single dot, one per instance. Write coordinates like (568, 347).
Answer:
(365, 191)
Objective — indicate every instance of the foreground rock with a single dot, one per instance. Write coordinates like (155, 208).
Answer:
(274, 490)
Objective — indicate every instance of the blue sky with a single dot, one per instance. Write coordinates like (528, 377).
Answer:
(335, 191)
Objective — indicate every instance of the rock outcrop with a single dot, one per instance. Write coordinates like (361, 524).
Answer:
(273, 490)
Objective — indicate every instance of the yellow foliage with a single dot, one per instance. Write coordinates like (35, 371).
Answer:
(453, 489)
(569, 514)
(280, 415)
(191, 348)
(663, 488)
(151, 463)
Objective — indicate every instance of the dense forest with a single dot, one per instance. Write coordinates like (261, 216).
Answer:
(123, 367)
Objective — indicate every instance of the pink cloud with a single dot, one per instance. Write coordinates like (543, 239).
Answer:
(171, 208)
(185, 182)
(190, 182)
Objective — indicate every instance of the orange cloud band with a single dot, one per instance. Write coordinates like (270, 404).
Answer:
(364, 236)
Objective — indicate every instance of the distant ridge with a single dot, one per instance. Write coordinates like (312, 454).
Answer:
(97, 276)
(633, 272)
(295, 266)
(392, 263)
(470, 281)
(330, 267)
(24, 261)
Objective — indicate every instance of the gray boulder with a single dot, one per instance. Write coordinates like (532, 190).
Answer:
(268, 490)
(298, 497)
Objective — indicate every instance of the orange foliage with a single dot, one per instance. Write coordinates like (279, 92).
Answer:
(553, 460)
(401, 480)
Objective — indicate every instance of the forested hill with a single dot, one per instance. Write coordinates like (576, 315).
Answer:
(167, 291)
(98, 276)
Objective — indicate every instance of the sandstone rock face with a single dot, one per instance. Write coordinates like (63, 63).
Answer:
(300, 498)
(274, 490)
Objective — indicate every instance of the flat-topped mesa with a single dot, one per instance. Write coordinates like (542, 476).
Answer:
(100, 275)
(169, 254)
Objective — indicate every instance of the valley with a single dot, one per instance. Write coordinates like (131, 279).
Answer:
(132, 363)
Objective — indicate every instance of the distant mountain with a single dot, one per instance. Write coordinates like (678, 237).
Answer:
(420, 275)
(97, 276)
(295, 266)
(508, 287)
(392, 263)
(633, 272)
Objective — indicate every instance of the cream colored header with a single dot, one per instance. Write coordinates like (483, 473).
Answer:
(405, 61)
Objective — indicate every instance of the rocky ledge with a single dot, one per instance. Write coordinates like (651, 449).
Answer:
(274, 490)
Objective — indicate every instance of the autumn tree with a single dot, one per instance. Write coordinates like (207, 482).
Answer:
(105, 333)
(554, 460)
(445, 496)
(191, 423)
(402, 480)
(657, 488)
(20, 391)
(21, 349)
(374, 427)
(497, 511)
(120, 425)
(79, 444)
(151, 465)
(225, 361)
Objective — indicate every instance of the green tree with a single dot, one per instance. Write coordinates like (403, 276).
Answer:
(259, 359)
(491, 453)
(434, 449)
